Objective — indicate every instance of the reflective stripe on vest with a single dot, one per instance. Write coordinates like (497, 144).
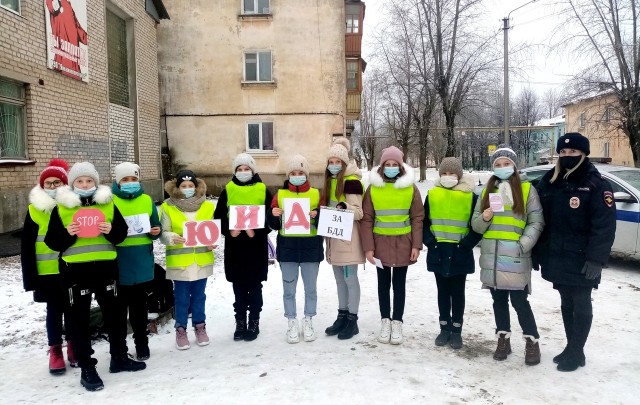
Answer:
(88, 249)
(142, 204)
(449, 212)
(333, 200)
(46, 259)
(505, 225)
(314, 199)
(391, 207)
(179, 256)
(252, 194)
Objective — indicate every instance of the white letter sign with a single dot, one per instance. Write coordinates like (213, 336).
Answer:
(201, 233)
(296, 216)
(246, 217)
(335, 223)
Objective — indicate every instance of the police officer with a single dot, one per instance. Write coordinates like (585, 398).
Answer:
(580, 214)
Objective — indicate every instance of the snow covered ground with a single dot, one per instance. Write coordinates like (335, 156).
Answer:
(357, 371)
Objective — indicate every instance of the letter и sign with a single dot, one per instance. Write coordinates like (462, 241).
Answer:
(88, 220)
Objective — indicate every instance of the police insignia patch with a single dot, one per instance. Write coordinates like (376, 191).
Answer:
(574, 202)
(608, 198)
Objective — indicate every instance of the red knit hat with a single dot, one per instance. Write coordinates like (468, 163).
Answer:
(56, 168)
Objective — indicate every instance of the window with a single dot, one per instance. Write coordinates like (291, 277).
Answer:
(13, 5)
(352, 75)
(117, 60)
(257, 66)
(583, 120)
(260, 136)
(255, 6)
(608, 114)
(12, 119)
(353, 19)
(605, 149)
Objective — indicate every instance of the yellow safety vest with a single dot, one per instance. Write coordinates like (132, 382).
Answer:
(88, 249)
(253, 194)
(46, 259)
(449, 212)
(135, 206)
(333, 200)
(505, 225)
(180, 256)
(392, 207)
(314, 200)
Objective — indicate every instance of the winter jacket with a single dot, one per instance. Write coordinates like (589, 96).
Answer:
(392, 250)
(246, 259)
(448, 258)
(58, 238)
(295, 249)
(506, 264)
(580, 214)
(348, 252)
(136, 263)
(192, 272)
(44, 287)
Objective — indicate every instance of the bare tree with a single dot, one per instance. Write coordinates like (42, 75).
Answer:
(551, 102)
(369, 122)
(526, 112)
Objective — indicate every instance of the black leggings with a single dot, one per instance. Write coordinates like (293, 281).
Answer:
(248, 297)
(521, 304)
(385, 280)
(451, 301)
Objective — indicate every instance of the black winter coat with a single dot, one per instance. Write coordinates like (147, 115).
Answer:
(580, 217)
(295, 249)
(449, 259)
(246, 259)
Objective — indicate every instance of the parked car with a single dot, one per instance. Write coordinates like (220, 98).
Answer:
(625, 182)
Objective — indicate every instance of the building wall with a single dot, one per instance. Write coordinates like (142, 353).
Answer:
(207, 108)
(68, 118)
(600, 130)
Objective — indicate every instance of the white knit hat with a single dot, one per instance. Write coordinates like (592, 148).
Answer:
(298, 162)
(126, 169)
(244, 159)
(340, 149)
(83, 169)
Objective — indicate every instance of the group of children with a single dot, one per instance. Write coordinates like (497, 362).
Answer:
(391, 224)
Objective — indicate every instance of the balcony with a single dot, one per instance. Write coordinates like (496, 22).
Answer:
(353, 106)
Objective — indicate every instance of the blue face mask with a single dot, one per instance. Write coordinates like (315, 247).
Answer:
(85, 193)
(132, 187)
(188, 192)
(244, 177)
(334, 169)
(503, 173)
(51, 193)
(391, 172)
(297, 180)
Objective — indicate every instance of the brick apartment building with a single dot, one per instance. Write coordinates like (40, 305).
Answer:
(79, 81)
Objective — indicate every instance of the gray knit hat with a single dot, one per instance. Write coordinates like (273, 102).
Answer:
(504, 151)
(126, 169)
(450, 165)
(298, 162)
(340, 149)
(83, 169)
(244, 159)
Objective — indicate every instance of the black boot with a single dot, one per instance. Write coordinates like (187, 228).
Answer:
(125, 363)
(253, 330)
(574, 356)
(455, 341)
(89, 377)
(339, 324)
(445, 333)
(350, 329)
(241, 329)
(567, 320)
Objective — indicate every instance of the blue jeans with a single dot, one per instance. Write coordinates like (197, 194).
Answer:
(290, 274)
(189, 295)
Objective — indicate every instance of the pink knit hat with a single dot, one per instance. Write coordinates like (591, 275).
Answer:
(391, 153)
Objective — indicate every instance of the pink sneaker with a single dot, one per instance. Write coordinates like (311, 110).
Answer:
(182, 341)
(201, 334)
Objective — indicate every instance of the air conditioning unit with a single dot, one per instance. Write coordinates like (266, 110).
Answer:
(266, 10)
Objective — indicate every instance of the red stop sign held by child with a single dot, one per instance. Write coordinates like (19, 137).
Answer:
(88, 220)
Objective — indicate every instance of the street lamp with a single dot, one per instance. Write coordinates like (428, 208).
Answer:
(505, 28)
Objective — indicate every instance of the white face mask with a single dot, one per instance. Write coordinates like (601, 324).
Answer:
(244, 177)
(51, 193)
(448, 181)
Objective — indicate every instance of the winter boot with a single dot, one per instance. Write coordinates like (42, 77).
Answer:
(308, 333)
(252, 330)
(571, 361)
(56, 360)
(201, 334)
(396, 333)
(70, 355)
(531, 351)
(182, 341)
(125, 362)
(455, 342)
(574, 357)
(241, 329)
(293, 332)
(385, 331)
(444, 335)
(89, 377)
(350, 329)
(567, 320)
(142, 352)
(504, 346)
(339, 324)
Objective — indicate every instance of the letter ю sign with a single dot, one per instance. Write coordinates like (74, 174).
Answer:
(201, 233)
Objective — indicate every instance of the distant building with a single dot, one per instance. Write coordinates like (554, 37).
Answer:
(597, 118)
(79, 81)
(547, 153)
(266, 77)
